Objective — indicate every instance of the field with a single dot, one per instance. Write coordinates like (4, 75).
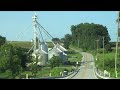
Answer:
(27, 44)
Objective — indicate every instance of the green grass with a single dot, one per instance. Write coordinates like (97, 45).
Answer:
(76, 48)
(75, 57)
(56, 71)
(109, 63)
(45, 71)
(22, 44)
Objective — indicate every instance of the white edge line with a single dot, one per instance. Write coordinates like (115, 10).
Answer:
(94, 68)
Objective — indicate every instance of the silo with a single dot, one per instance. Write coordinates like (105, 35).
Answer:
(65, 58)
(55, 51)
(44, 47)
(44, 53)
(64, 52)
(61, 48)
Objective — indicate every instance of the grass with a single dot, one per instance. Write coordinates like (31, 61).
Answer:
(22, 44)
(109, 62)
(74, 57)
(56, 71)
(76, 48)
(45, 71)
(74, 54)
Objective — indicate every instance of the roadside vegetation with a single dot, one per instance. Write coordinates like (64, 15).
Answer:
(109, 60)
(89, 37)
(14, 57)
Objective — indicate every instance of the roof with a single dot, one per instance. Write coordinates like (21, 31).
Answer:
(61, 47)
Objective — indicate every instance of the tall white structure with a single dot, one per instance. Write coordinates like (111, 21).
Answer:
(40, 48)
(35, 31)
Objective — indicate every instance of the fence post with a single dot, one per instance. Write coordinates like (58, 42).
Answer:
(26, 76)
(109, 74)
(50, 75)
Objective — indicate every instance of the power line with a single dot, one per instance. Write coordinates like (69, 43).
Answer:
(44, 30)
(97, 50)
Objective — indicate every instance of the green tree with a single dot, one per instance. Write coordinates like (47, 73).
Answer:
(9, 60)
(56, 40)
(87, 34)
(67, 40)
(2, 40)
(24, 56)
(108, 47)
(34, 67)
(15, 65)
(55, 61)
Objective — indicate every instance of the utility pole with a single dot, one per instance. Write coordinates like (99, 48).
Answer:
(103, 53)
(116, 48)
(97, 49)
(78, 43)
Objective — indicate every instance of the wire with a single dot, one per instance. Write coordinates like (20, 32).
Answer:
(44, 29)
(41, 34)
(30, 49)
(21, 33)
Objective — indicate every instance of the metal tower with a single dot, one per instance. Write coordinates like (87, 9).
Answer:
(35, 31)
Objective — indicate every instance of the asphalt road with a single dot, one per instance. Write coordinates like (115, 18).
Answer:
(86, 70)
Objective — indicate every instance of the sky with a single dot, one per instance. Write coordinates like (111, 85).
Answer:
(57, 23)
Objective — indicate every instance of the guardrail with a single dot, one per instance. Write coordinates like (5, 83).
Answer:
(57, 77)
(100, 76)
(104, 77)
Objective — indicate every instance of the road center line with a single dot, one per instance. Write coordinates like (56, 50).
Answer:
(85, 68)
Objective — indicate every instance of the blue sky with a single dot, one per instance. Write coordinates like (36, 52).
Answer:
(57, 23)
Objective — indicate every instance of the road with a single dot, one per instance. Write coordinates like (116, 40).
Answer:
(86, 70)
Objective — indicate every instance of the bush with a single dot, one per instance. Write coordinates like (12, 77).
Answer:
(71, 52)
(55, 61)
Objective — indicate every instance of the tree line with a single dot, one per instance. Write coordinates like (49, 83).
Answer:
(85, 36)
